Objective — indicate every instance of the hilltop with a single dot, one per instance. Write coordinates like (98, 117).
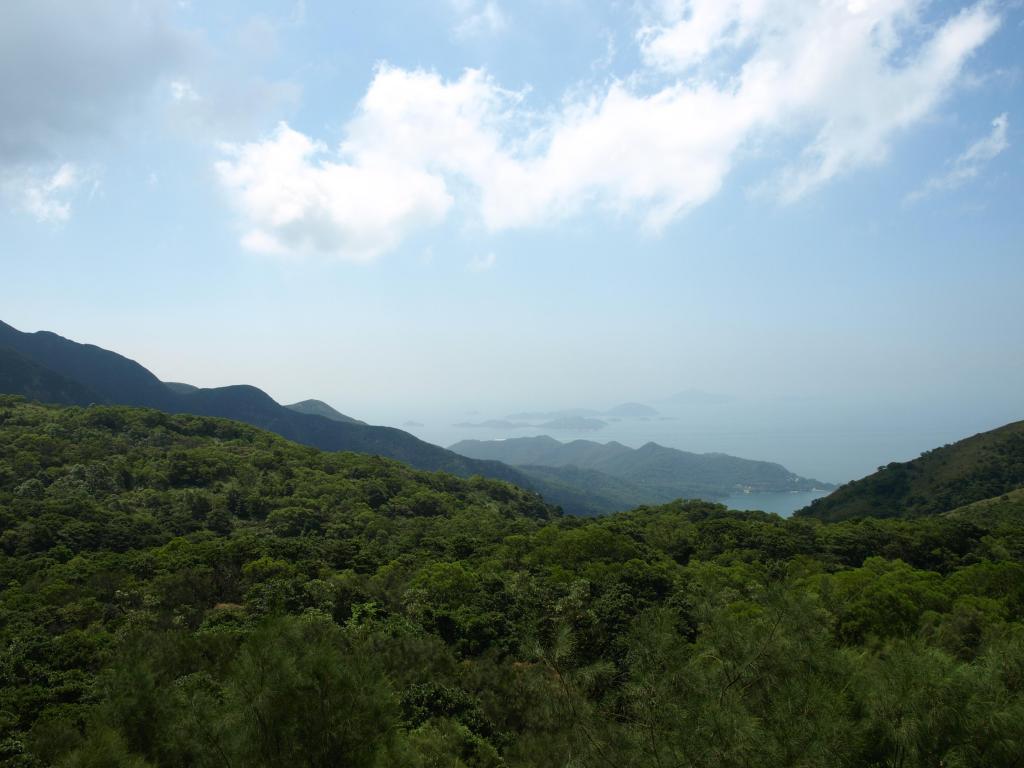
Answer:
(320, 408)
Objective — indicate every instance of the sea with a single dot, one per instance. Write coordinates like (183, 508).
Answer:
(782, 504)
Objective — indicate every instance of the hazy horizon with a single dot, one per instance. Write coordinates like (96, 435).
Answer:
(821, 438)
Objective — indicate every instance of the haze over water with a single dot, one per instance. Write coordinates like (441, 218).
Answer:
(810, 438)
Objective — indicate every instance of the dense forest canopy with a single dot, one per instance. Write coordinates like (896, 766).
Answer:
(184, 591)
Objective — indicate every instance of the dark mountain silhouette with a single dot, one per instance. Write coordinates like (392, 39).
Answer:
(112, 376)
(25, 377)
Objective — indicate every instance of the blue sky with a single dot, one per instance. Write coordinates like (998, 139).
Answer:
(416, 210)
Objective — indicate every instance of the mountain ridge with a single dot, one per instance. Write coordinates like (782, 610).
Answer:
(121, 381)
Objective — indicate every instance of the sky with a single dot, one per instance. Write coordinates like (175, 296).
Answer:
(436, 210)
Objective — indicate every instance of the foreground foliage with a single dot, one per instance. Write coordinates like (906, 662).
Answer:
(185, 591)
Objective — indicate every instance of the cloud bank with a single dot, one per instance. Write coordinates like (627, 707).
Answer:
(841, 79)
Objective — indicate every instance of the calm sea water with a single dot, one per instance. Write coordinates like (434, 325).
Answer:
(784, 504)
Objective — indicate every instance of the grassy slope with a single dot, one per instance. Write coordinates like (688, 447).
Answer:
(1007, 507)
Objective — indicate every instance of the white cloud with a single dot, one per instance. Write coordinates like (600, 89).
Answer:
(861, 100)
(687, 32)
(843, 78)
(970, 162)
(45, 197)
(299, 198)
(985, 149)
(482, 263)
(478, 17)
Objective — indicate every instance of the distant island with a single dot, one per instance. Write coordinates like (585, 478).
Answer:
(621, 412)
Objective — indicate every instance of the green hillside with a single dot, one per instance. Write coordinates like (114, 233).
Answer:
(587, 489)
(628, 477)
(191, 591)
(986, 465)
(1005, 508)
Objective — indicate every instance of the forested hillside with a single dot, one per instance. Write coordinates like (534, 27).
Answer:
(986, 465)
(189, 591)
